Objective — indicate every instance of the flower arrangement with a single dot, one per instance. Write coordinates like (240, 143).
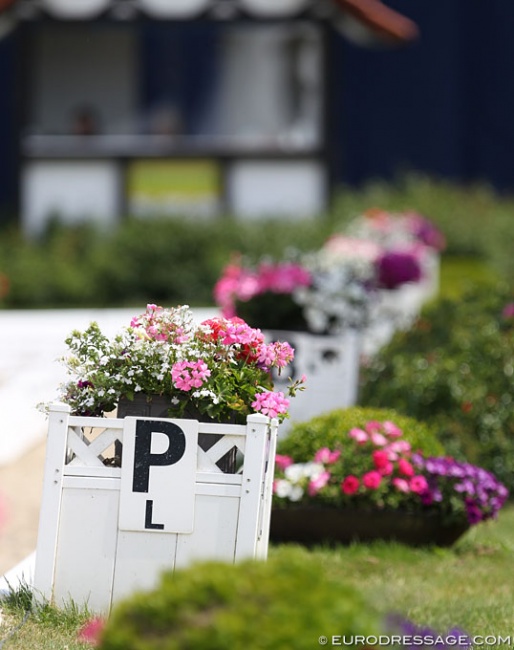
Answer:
(391, 229)
(219, 368)
(322, 291)
(375, 467)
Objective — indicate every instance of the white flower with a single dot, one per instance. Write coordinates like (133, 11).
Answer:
(296, 493)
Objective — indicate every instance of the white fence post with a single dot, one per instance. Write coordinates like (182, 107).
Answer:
(51, 501)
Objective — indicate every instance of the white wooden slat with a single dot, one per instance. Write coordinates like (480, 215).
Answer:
(218, 477)
(81, 470)
(91, 482)
(225, 444)
(95, 423)
(50, 511)
(252, 487)
(215, 530)
(83, 454)
(267, 497)
(204, 463)
(215, 489)
(87, 548)
(140, 559)
(104, 440)
(223, 429)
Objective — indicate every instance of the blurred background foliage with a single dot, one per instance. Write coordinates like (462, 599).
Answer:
(178, 260)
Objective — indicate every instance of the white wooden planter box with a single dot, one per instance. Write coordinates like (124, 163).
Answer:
(86, 550)
(331, 365)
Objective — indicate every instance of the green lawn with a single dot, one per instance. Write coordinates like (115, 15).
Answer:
(468, 586)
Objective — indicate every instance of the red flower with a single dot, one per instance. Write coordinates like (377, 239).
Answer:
(380, 459)
(350, 484)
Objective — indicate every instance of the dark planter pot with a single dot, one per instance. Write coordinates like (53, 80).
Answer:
(310, 525)
(158, 406)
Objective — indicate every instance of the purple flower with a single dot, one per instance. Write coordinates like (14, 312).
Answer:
(395, 268)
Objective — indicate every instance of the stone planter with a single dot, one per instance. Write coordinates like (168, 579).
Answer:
(311, 525)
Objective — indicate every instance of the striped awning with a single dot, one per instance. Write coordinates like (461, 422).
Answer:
(373, 15)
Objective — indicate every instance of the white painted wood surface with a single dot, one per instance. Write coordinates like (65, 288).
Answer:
(331, 365)
(83, 556)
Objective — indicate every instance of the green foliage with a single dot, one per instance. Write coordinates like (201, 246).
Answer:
(331, 430)
(284, 603)
(178, 260)
(168, 261)
(455, 370)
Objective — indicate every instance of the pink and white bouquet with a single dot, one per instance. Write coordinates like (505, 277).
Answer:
(221, 367)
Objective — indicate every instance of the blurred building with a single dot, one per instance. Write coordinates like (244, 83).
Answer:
(114, 107)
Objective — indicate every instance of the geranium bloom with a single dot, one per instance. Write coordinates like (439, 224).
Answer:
(270, 404)
(189, 374)
(372, 480)
(350, 484)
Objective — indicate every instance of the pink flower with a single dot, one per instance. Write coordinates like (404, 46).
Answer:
(186, 375)
(405, 467)
(418, 484)
(283, 461)
(270, 404)
(359, 435)
(373, 426)
(350, 485)
(324, 455)
(387, 470)
(391, 430)
(372, 480)
(401, 484)
(399, 446)
(508, 310)
(278, 354)
(90, 631)
(378, 439)
(318, 482)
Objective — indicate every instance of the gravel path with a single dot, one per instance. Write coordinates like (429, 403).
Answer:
(21, 484)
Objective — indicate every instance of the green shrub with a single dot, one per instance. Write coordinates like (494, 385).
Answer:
(330, 430)
(455, 370)
(284, 603)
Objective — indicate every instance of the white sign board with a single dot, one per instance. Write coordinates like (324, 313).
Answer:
(158, 475)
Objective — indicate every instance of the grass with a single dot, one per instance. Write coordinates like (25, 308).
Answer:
(468, 586)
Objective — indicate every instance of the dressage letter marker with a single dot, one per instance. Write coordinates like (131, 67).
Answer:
(158, 475)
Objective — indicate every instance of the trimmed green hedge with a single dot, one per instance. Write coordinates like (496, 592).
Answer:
(284, 603)
(455, 370)
(331, 429)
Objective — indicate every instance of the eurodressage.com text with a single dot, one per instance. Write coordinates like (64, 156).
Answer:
(462, 641)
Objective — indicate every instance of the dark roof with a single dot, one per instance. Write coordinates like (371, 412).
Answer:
(374, 16)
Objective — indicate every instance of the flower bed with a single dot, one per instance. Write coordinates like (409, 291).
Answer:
(375, 468)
